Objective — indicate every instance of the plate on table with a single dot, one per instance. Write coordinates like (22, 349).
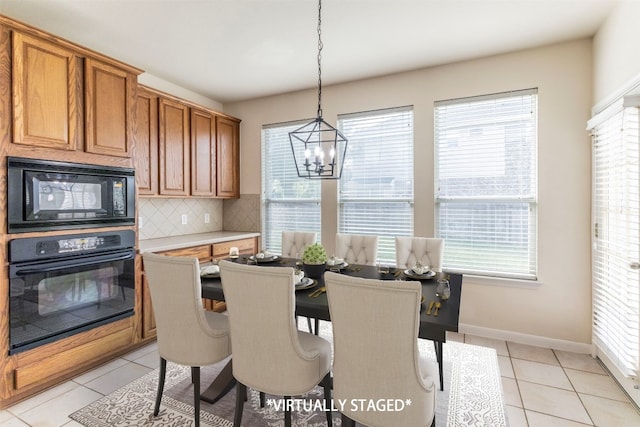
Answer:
(270, 258)
(210, 272)
(339, 266)
(305, 283)
(412, 274)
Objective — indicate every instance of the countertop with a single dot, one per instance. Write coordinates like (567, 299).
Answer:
(187, 240)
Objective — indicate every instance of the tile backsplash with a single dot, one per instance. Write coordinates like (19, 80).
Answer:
(164, 217)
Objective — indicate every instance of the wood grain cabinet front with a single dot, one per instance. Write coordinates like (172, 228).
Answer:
(47, 94)
(203, 153)
(109, 102)
(174, 148)
(146, 137)
(228, 161)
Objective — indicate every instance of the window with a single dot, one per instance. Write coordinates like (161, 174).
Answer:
(288, 202)
(376, 189)
(486, 183)
(616, 235)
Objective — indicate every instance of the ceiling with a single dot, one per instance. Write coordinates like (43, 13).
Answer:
(231, 50)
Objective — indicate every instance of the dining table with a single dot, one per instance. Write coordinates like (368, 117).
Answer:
(311, 302)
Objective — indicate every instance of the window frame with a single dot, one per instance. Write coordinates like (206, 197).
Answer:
(272, 239)
(386, 235)
(517, 211)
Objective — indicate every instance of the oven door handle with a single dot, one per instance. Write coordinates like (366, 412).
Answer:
(27, 272)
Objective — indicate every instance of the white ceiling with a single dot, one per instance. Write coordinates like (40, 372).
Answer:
(230, 50)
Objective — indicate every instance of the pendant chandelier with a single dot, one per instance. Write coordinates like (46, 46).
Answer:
(318, 148)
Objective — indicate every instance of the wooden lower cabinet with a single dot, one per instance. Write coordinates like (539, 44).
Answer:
(204, 253)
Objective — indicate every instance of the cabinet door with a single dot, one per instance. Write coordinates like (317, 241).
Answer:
(174, 148)
(203, 153)
(47, 94)
(109, 99)
(202, 252)
(148, 318)
(146, 137)
(228, 162)
(245, 246)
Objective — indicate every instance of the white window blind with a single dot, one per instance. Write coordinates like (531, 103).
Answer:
(376, 189)
(486, 183)
(288, 201)
(616, 237)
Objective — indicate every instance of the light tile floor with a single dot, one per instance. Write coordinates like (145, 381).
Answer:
(542, 388)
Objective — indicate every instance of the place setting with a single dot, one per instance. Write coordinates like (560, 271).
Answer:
(302, 282)
(419, 272)
(264, 257)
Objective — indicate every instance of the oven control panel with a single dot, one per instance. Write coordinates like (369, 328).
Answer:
(59, 246)
(70, 245)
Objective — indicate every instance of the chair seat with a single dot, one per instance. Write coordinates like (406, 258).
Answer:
(310, 342)
(217, 320)
(428, 369)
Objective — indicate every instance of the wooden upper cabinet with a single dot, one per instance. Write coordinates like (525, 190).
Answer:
(47, 94)
(174, 148)
(203, 153)
(146, 137)
(109, 100)
(228, 157)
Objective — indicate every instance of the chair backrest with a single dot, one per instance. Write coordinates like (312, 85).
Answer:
(428, 250)
(267, 354)
(294, 242)
(375, 338)
(357, 248)
(183, 333)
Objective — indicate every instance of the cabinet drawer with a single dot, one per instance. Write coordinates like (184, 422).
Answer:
(203, 252)
(245, 246)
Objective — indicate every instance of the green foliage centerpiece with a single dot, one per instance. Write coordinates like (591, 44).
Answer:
(314, 260)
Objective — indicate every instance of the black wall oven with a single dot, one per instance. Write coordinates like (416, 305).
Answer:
(62, 285)
(46, 195)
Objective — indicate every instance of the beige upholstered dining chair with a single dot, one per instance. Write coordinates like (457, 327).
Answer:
(376, 352)
(186, 333)
(357, 248)
(428, 250)
(269, 353)
(294, 242)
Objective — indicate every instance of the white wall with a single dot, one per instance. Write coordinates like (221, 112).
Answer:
(558, 306)
(616, 61)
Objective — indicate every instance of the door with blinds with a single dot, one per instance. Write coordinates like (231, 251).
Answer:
(616, 236)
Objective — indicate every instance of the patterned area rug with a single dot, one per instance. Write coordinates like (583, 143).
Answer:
(472, 397)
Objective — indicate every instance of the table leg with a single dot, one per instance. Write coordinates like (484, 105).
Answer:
(438, 346)
(220, 386)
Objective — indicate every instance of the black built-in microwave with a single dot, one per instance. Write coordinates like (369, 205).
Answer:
(47, 195)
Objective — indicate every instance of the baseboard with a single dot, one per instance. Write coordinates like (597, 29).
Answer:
(520, 338)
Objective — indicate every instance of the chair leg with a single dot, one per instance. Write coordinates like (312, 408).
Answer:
(326, 384)
(287, 412)
(262, 399)
(241, 394)
(195, 379)
(163, 373)
(309, 325)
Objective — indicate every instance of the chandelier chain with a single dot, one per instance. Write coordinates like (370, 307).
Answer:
(319, 58)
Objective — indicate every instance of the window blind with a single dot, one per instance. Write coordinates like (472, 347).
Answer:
(375, 194)
(288, 201)
(616, 237)
(486, 183)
